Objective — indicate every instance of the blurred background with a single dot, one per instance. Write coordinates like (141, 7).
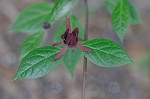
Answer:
(126, 82)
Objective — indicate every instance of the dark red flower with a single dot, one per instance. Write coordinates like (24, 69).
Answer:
(70, 38)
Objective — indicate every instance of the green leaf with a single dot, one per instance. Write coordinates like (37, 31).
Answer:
(31, 43)
(38, 63)
(135, 16)
(61, 8)
(31, 19)
(73, 57)
(111, 4)
(106, 53)
(121, 19)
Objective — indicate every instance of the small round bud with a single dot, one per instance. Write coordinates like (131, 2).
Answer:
(46, 25)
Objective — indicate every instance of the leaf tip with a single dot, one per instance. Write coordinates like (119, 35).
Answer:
(71, 74)
(122, 40)
(131, 61)
(14, 78)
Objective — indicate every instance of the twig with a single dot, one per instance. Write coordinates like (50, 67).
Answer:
(85, 59)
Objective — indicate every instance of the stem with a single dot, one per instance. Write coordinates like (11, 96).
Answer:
(86, 20)
(85, 59)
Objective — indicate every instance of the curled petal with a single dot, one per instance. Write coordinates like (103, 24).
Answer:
(57, 44)
(75, 31)
(62, 36)
(68, 24)
(83, 48)
(61, 53)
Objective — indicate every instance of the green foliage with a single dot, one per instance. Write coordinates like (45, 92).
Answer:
(123, 13)
(111, 4)
(31, 19)
(60, 9)
(73, 57)
(31, 43)
(121, 19)
(38, 63)
(134, 14)
(106, 53)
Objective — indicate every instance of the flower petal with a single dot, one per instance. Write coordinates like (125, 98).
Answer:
(68, 24)
(57, 44)
(61, 53)
(83, 48)
(75, 31)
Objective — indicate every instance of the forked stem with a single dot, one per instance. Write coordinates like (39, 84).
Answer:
(85, 59)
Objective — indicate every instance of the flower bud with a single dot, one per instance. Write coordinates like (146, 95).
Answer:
(46, 25)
